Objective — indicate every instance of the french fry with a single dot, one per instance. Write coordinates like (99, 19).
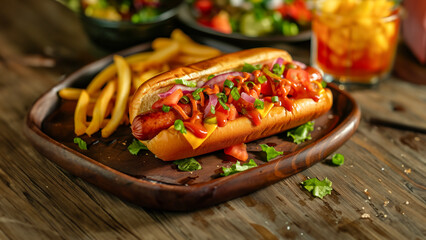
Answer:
(109, 72)
(158, 57)
(80, 113)
(189, 47)
(101, 105)
(70, 93)
(123, 90)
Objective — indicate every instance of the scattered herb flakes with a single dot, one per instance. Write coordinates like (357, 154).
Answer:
(81, 143)
(188, 164)
(136, 146)
(270, 152)
(237, 167)
(338, 159)
(301, 133)
(318, 188)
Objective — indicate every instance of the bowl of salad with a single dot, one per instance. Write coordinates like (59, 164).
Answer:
(252, 20)
(117, 24)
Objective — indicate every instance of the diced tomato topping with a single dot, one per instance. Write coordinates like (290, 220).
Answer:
(314, 74)
(266, 89)
(221, 23)
(221, 116)
(298, 75)
(233, 113)
(238, 151)
(170, 100)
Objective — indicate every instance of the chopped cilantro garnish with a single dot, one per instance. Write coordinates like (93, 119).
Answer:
(237, 167)
(250, 68)
(318, 188)
(81, 143)
(188, 164)
(270, 152)
(136, 146)
(186, 83)
(301, 133)
(338, 159)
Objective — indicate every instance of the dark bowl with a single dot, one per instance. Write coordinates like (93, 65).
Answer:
(186, 16)
(117, 35)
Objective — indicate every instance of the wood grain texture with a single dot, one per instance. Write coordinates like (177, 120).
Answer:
(39, 200)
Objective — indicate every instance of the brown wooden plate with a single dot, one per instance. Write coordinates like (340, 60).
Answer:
(150, 182)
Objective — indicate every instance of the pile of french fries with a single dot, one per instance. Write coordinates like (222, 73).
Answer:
(103, 105)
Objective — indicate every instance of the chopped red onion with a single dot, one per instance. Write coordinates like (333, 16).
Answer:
(300, 64)
(247, 97)
(184, 89)
(212, 102)
(220, 79)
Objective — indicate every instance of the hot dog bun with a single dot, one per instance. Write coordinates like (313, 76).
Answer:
(171, 145)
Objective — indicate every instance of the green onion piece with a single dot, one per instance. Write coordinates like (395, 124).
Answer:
(184, 100)
(186, 83)
(338, 159)
(262, 79)
(223, 104)
(228, 83)
(222, 96)
(249, 82)
(212, 110)
(179, 126)
(278, 69)
(250, 68)
(275, 99)
(291, 65)
(259, 104)
(323, 84)
(196, 93)
(210, 77)
(165, 108)
(235, 94)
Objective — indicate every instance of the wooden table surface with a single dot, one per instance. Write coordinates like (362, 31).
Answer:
(379, 192)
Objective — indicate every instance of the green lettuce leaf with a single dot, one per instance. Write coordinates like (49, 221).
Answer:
(188, 164)
(136, 146)
(237, 167)
(301, 133)
(318, 188)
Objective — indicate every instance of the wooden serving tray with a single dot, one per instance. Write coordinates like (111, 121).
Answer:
(150, 182)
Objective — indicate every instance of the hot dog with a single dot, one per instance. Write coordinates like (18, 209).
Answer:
(225, 106)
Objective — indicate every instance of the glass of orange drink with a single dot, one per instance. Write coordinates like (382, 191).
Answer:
(354, 41)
